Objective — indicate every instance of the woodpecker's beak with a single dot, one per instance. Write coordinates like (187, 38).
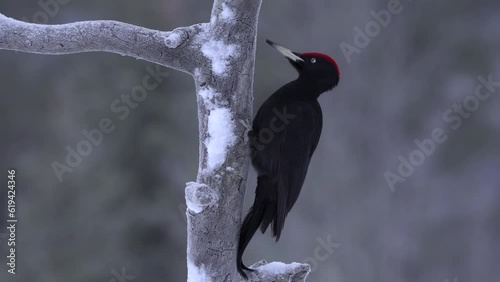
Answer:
(292, 56)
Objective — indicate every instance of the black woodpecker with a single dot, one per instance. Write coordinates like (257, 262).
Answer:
(284, 135)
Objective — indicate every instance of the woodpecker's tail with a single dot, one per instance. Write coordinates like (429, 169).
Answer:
(259, 214)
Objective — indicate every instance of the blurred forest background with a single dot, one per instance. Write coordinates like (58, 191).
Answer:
(123, 206)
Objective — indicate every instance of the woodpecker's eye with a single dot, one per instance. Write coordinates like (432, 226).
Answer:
(313, 60)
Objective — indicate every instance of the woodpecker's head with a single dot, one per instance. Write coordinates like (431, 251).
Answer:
(316, 68)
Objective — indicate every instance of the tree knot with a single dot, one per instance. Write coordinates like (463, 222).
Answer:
(175, 38)
(199, 196)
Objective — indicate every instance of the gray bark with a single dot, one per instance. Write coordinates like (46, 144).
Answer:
(215, 200)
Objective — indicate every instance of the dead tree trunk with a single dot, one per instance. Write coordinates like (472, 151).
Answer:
(220, 55)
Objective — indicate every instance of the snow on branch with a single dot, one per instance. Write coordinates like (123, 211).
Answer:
(279, 272)
(161, 47)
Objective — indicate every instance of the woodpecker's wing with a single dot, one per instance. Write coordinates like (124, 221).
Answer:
(297, 143)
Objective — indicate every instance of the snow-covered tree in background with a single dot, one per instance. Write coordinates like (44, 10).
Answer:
(220, 55)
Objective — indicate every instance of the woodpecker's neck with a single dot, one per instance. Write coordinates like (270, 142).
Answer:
(311, 88)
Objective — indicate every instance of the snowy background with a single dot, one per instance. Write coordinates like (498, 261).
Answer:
(120, 213)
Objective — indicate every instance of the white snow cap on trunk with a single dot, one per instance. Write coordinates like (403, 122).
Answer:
(221, 135)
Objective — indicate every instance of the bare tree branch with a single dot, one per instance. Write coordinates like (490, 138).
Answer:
(108, 36)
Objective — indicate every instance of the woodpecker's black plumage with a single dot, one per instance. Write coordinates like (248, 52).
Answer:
(285, 133)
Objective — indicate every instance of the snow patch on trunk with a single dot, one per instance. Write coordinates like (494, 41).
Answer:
(208, 94)
(219, 54)
(227, 14)
(196, 274)
(221, 135)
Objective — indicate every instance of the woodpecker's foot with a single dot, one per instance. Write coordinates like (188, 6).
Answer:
(241, 268)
